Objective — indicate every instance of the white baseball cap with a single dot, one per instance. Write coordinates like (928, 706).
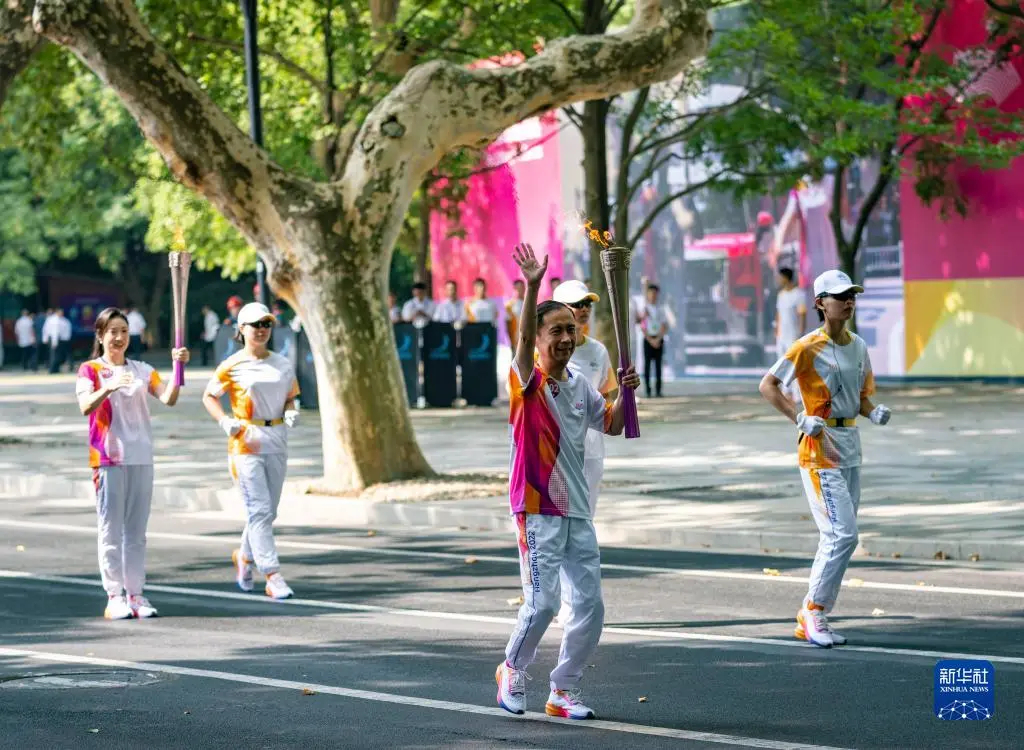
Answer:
(253, 313)
(573, 291)
(834, 282)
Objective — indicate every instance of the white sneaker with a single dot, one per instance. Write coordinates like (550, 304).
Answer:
(568, 704)
(277, 588)
(838, 639)
(141, 607)
(812, 626)
(243, 570)
(117, 608)
(511, 688)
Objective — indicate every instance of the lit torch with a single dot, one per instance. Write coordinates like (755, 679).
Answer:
(615, 262)
(179, 263)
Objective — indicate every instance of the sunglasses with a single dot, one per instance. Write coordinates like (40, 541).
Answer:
(581, 305)
(262, 324)
(843, 296)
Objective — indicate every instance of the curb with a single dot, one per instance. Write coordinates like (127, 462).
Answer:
(322, 509)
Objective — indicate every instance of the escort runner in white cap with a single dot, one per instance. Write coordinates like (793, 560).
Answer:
(591, 358)
(262, 389)
(833, 372)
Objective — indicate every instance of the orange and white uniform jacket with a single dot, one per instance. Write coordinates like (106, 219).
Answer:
(832, 380)
(258, 390)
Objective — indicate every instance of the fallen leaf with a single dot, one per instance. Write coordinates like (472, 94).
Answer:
(470, 560)
(876, 612)
(921, 583)
(940, 555)
(642, 699)
(515, 602)
(20, 548)
(463, 528)
(771, 572)
(805, 518)
(974, 557)
(307, 691)
(371, 532)
(856, 581)
(705, 546)
(896, 555)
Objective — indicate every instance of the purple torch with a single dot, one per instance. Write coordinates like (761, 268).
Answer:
(179, 263)
(615, 262)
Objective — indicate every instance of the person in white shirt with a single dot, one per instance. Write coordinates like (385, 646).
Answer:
(790, 312)
(394, 311)
(513, 309)
(653, 322)
(480, 309)
(55, 333)
(25, 333)
(790, 316)
(211, 326)
(420, 309)
(590, 358)
(136, 330)
(262, 388)
(450, 310)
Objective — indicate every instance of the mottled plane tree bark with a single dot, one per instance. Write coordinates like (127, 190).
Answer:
(327, 245)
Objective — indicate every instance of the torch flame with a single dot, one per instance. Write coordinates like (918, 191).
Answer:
(179, 238)
(602, 238)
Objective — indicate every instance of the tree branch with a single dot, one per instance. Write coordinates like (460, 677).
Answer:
(18, 41)
(203, 148)
(628, 128)
(284, 62)
(439, 106)
(1011, 9)
(573, 21)
(666, 202)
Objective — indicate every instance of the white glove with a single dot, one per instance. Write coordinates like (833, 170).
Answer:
(230, 425)
(809, 425)
(291, 417)
(880, 414)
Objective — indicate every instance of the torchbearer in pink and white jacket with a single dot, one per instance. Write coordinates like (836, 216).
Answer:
(551, 409)
(112, 391)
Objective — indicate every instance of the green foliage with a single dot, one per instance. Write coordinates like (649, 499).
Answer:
(80, 175)
(834, 82)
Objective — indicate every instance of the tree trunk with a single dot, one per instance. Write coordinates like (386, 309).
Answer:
(328, 246)
(595, 169)
(368, 437)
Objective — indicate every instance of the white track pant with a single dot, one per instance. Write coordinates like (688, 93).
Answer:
(834, 497)
(546, 545)
(124, 495)
(593, 471)
(260, 479)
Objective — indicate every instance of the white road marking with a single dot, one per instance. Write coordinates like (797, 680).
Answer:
(407, 700)
(675, 635)
(511, 560)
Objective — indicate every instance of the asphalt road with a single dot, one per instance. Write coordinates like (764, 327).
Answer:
(393, 639)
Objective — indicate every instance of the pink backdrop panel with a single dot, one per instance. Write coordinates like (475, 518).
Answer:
(517, 199)
(987, 243)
